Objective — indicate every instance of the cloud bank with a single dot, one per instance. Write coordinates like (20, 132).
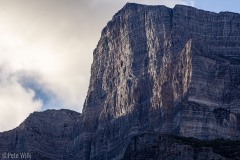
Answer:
(16, 102)
(46, 52)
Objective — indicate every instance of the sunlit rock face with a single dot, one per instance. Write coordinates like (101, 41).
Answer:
(174, 71)
(156, 72)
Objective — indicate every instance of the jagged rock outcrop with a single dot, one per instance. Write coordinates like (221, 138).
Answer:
(44, 135)
(155, 70)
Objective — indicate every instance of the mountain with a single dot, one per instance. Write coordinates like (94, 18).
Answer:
(44, 135)
(158, 75)
(174, 71)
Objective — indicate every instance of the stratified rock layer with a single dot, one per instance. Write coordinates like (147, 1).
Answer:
(155, 71)
(44, 135)
(159, 147)
(174, 71)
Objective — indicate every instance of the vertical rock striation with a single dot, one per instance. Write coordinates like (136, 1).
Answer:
(174, 71)
(156, 72)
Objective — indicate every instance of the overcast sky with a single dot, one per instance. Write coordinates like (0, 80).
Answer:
(46, 50)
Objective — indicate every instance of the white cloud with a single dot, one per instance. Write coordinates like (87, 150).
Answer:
(16, 103)
(50, 44)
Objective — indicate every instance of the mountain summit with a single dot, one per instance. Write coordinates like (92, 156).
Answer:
(157, 74)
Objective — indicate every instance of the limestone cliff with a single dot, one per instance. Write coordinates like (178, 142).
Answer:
(174, 71)
(155, 71)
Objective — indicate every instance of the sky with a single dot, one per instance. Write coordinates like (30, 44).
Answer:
(46, 50)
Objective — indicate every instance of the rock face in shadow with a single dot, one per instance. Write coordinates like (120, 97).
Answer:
(155, 69)
(159, 147)
(44, 135)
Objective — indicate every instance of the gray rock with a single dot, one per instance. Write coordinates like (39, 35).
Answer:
(174, 71)
(157, 70)
(44, 135)
(158, 147)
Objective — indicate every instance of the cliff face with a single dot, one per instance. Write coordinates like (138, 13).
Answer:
(158, 70)
(54, 135)
(163, 147)
(174, 71)
(43, 135)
